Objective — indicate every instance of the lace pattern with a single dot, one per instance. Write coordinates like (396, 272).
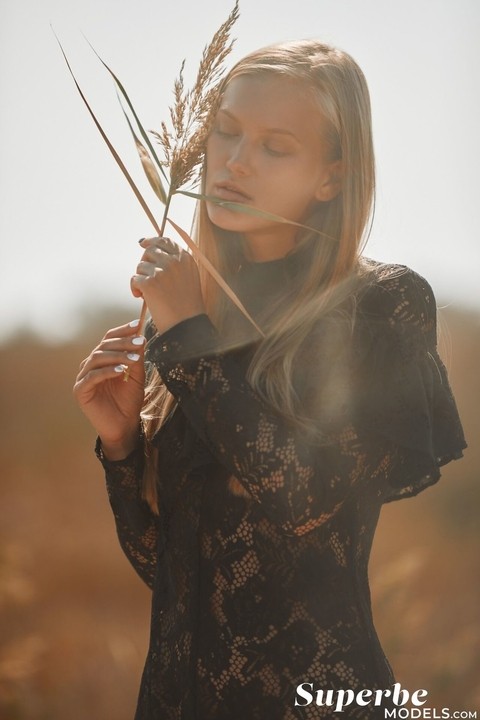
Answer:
(255, 593)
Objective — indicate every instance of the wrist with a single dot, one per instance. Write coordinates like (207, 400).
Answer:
(164, 323)
(113, 450)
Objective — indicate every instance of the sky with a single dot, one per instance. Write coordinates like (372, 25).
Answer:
(69, 223)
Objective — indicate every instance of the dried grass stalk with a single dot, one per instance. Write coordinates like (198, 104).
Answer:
(184, 145)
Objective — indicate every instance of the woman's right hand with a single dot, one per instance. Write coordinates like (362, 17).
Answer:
(112, 405)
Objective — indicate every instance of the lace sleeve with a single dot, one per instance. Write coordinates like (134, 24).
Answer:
(402, 392)
(299, 486)
(137, 526)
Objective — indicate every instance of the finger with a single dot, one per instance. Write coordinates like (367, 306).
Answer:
(123, 330)
(156, 256)
(121, 346)
(82, 364)
(118, 338)
(147, 268)
(101, 358)
(162, 243)
(127, 344)
(136, 282)
(90, 380)
(145, 271)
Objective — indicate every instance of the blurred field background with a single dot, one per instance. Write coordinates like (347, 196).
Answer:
(74, 616)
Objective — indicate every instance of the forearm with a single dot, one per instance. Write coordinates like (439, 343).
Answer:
(136, 524)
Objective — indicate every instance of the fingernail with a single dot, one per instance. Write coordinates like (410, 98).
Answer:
(141, 240)
(133, 356)
(134, 323)
(119, 368)
(139, 340)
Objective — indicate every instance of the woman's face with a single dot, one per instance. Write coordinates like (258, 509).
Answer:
(265, 150)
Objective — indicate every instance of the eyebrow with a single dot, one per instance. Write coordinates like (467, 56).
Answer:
(277, 131)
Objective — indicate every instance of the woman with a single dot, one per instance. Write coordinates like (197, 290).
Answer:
(246, 485)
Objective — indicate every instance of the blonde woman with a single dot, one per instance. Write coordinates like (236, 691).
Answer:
(246, 482)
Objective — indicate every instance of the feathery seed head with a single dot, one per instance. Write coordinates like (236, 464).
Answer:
(192, 111)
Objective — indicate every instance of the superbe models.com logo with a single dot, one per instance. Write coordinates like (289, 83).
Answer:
(397, 697)
(430, 713)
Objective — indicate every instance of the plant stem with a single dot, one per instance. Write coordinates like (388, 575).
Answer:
(143, 312)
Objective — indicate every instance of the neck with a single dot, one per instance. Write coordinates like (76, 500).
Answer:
(264, 249)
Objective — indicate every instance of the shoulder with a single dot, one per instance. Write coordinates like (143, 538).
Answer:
(397, 295)
(400, 389)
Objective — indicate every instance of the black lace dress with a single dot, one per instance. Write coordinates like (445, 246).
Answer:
(259, 590)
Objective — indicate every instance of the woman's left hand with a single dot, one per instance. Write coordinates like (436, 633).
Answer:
(167, 279)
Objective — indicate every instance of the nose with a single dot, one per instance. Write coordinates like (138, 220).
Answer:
(239, 159)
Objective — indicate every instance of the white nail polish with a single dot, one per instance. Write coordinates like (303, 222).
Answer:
(138, 340)
(134, 323)
(133, 356)
(119, 368)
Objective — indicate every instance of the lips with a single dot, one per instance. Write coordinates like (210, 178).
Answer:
(230, 192)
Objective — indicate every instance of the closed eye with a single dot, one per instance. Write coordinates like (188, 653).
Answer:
(276, 153)
(225, 133)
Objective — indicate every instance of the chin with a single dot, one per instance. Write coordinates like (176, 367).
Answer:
(227, 219)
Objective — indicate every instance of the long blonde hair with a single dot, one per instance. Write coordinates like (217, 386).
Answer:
(332, 269)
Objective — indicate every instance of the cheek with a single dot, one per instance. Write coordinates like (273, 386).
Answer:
(211, 172)
(213, 155)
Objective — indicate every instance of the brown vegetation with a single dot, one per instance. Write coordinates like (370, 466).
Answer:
(74, 616)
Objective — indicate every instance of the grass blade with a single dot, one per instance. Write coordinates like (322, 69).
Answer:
(149, 168)
(116, 156)
(141, 129)
(214, 273)
(185, 237)
(250, 210)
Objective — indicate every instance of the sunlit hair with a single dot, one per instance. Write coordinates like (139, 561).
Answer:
(330, 276)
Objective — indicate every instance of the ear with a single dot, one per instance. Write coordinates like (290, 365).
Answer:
(331, 182)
